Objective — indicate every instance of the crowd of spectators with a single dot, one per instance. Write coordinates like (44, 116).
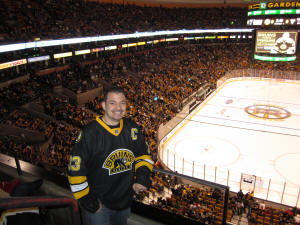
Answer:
(28, 20)
(157, 81)
(59, 149)
(26, 120)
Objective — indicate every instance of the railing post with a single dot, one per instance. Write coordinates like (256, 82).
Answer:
(227, 178)
(298, 198)
(215, 174)
(254, 184)
(168, 158)
(183, 165)
(226, 198)
(174, 162)
(18, 164)
(268, 189)
(283, 192)
(241, 181)
(193, 169)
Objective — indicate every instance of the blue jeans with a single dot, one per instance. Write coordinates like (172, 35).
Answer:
(108, 217)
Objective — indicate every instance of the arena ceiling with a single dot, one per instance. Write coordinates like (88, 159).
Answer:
(189, 3)
(199, 1)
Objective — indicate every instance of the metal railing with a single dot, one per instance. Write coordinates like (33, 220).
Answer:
(187, 198)
(44, 202)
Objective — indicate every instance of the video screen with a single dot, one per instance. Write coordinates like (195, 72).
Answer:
(283, 42)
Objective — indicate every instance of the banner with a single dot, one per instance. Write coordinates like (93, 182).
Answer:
(37, 59)
(62, 55)
(110, 47)
(82, 52)
(97, 49)
(132, 45)
(12, 64)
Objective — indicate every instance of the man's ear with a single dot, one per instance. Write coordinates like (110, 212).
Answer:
(103, 105)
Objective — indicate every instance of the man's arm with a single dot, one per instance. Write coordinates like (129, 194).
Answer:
(143, 165)
(77, 174)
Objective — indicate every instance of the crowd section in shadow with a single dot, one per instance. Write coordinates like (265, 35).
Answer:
(28, 20)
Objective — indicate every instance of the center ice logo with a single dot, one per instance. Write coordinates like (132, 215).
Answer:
(268, 112)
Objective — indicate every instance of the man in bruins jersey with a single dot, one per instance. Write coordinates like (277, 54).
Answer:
(109, 162)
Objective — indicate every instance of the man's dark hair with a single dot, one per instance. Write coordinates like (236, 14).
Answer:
(114, 89)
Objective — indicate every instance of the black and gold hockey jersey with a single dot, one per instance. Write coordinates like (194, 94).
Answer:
(106, 161)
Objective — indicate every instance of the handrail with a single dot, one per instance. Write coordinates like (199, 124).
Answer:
(42, 201)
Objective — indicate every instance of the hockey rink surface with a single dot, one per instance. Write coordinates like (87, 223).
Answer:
(248, 126)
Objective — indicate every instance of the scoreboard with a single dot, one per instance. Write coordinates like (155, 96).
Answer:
(280, 21)
(276, 42)
(284, 13)
(276, 34)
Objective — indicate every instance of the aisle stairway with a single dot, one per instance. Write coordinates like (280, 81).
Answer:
(240, 219)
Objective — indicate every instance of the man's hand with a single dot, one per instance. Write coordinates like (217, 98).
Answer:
(138, 188)
(100, 207)
(90, 203)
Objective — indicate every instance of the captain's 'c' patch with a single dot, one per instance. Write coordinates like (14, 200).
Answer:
(134, 132)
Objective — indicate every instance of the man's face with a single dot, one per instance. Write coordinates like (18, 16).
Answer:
(114, 108)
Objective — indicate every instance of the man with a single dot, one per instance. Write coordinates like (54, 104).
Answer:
(109, 161)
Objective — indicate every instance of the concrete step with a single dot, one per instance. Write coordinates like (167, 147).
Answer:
(136, 219)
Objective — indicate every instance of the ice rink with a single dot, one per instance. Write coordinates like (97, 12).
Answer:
(248, 126)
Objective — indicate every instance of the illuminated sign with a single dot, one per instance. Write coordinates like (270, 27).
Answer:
(274, 12)
(273, 21)
(81, 52)
(274, 5)
(149, 42)
(62, 55)
(40, 44)
(275, 59)
(221, 37)
(113, 47)
(132, 44)
(171, 39)
(189, 38)
(155, 41)
(197, 38)
(40, 58)
(276, 42)
(210, 37)
(12, 64)
(141, 43)
(97, 49)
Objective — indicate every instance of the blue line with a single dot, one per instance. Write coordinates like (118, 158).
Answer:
(212, 117)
